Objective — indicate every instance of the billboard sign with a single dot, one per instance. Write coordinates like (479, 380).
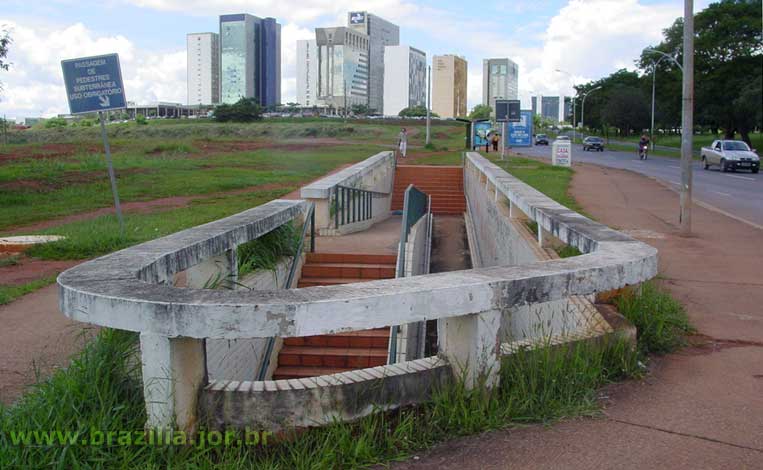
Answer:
(94, 84)
(521, 133)
(481, 129)
(357, 17)
(561, 153)
(507, 110)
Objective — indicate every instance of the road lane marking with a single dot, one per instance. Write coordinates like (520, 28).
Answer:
(722, 194)
(674, 166)
(742, 177)
(674, 182)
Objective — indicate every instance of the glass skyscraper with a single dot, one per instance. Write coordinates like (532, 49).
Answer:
(342, 67)
(250, 59)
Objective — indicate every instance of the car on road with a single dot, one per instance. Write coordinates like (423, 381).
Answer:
(563, 137)
(730, 155)
(541, 139)
(593, 143)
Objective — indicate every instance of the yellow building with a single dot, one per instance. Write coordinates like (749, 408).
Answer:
(449, 85)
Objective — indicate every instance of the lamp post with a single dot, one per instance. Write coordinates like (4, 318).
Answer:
(582, 108)
(654, 78)
(687, 118)
(573, 102)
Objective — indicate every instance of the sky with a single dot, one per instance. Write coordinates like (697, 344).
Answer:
(587, 39)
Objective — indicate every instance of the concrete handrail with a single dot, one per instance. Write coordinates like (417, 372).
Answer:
(129, 289)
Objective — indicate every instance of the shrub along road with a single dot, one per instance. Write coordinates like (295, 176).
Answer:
(699, 408)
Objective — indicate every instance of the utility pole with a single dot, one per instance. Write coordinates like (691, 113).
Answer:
(429, 104)
(654, 79)
(687, 121)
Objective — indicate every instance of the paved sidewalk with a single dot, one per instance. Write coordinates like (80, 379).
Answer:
(699, 408)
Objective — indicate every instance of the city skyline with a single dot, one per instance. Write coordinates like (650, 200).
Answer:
(150, 38)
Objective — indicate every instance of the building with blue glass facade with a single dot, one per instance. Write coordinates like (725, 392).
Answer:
(250, 59)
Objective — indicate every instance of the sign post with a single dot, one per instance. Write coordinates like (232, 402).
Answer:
(94, 84)
(506, 111)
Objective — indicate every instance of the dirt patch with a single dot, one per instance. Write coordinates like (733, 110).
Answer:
(66, 179)
(292, 145)
(30, 269)
(59, 150)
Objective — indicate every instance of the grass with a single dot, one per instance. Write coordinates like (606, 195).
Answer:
(553, 181)
(265, 252)
(100, 391)
(698, 141)
(567, 251)
(661, 320)
(9, 261)
(9, 293)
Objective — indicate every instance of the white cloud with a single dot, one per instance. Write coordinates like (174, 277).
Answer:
(34, 84)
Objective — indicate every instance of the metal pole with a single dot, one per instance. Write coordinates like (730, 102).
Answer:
(429, 104)
(651, 127)
(687, 121)
(111, 175)
(503, 140)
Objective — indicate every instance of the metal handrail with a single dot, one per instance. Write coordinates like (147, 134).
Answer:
(356, 204)
(309, 220)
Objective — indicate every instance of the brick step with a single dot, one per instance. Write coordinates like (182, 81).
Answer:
(313, 356)
(402, 185)
(377, 338)
(348, 270)
(431, 190)
(298, 372)
(328, 281)
(435, 197)
(351, 258)
(430, 168)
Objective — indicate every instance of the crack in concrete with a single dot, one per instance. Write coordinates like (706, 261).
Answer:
(683, 434)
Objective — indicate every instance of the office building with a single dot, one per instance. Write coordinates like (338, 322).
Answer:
(307, 73)
(203, 68)
(342, 67)
(500, 80)
(550, 108)
(250, 59)
(449, 74)
(405, 78)
(381, 33)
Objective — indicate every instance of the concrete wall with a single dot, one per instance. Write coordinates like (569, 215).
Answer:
(376, 173)
(499, 236)
(240, 359)
(410, 337)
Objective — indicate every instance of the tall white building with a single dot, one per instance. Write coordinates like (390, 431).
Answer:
(307, 73)
(381, 33)
(405, 78)
(203, 68)
(500, 80)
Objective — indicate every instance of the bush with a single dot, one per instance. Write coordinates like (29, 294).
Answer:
(141, 120)
(244, 110)
(55, 122)
(416, 111)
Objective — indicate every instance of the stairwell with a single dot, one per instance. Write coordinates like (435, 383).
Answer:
(444, 183)
(311, 356)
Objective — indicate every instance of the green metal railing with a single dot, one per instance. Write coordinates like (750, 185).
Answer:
(353, 205)
(309, 222)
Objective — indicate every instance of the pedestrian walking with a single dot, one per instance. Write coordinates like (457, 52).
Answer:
(496, 139)
(402, 142)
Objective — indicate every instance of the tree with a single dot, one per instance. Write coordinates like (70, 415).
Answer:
(359, 109)
(415, 111)
(728, 64)
(481, 111)
(244, 110)
(5, 44)
(627, 109)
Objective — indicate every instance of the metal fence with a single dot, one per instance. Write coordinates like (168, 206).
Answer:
(353, 205)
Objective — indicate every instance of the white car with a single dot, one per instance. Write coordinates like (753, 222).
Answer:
(730, 155)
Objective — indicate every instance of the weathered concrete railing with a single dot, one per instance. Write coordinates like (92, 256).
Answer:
(375, 174)
(131, 290)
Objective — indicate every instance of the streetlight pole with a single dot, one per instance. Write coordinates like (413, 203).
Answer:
(429, 104)
(654, 80)
(582, 108)
(687, 118)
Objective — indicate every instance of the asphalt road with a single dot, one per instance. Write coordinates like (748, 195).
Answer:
(739, 194)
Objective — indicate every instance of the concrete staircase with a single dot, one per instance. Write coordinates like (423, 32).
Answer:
(310, 356)
(444, 183)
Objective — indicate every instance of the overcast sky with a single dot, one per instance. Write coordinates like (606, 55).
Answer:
(587, 38)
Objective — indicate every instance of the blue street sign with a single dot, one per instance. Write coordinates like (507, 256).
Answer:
(94, 84)
(521, 133)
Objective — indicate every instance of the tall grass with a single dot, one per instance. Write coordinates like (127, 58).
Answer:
(9, 293)
(265, 252)
(101, 391)
(660, 320)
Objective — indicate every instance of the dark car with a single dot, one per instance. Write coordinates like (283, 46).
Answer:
(541, 139)
(593, 143)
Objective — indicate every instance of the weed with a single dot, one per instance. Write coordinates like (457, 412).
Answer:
(266, 251)
(660, 320)
(567, 251)
(9, 261)
(9, 293)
